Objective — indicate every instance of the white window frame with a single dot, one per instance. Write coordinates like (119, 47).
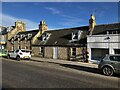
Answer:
(29, 36)
(78, 35)
(45, 36)
(22, 36)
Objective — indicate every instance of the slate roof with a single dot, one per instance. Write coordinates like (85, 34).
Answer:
(33, 32)
(63, 37)
(105, 27)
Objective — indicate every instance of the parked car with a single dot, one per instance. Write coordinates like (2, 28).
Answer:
(19, 54)
(110, 64)
(3, 53)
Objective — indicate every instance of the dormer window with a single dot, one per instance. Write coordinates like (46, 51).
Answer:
(76, 35)
(45, 36)
(22, 36)
(29, 36)
(16, 36)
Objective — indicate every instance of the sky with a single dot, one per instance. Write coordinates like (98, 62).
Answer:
(58, 15)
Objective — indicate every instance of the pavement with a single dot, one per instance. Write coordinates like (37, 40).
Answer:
(59, 61)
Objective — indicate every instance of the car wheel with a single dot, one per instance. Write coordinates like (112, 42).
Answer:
(18, 58)
(108, 71)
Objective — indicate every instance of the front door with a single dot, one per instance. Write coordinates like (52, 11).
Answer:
(55, 52)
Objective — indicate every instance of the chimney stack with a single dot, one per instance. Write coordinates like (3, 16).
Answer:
(92, 24)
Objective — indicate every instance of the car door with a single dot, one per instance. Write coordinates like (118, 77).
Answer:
(15, 53)
(115, 62)
(11, 54)
(117, 59)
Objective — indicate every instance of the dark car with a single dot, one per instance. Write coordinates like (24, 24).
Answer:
(110, 64)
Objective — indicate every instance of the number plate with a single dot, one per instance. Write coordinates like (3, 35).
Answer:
(26, 57)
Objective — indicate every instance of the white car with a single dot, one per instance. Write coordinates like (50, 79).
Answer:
(19, 54)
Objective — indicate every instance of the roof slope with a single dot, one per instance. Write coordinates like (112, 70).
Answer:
(33, 32)
(105, 27)
(63, 37)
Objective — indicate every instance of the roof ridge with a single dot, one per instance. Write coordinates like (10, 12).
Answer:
(67, 28)
(108, 24)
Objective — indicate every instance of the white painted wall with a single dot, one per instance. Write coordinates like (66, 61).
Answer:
(100, 41)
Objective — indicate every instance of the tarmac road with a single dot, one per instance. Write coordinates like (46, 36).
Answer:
(31, 74)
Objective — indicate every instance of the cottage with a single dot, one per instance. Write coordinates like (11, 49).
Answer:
(69, 44)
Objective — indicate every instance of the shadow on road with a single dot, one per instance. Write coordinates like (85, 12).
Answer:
(88, 69)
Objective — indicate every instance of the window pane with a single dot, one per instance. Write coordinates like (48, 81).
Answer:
(117, 58)
(74, 51)
(24, 50)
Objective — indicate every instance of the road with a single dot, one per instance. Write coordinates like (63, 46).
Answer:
(31, 74)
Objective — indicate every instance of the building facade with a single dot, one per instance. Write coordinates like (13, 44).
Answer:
(106, 42)
(79, 43)
(24, 40)
(67, 44)
(3, 37)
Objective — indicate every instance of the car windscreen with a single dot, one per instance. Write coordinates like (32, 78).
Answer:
(25, 51)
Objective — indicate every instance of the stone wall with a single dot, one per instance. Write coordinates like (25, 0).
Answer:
(35, 51)
(9, 46)
(80, 54)
(63, 53)
(15, 45)
(48, 52)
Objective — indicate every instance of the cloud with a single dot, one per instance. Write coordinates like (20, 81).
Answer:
(71, 21)
(8, 20)
(53, 10)
(67, 19)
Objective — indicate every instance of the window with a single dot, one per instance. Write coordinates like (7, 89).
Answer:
(41, 49)
(12, 41)
(74, 51)
(26, 47)
(25, 51)
(45, 36)
(76, 35)
(17, 51)
(29, 36)
(21, 36)
(12, 47)
(19, 47)
(115, 58)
